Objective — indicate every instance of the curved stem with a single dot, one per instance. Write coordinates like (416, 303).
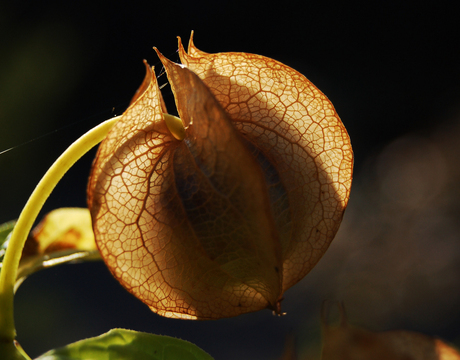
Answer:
(29, 214)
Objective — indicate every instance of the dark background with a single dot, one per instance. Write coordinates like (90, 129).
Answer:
(392, 70)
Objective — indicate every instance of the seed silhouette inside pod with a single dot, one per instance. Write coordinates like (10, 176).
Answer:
(218, 213)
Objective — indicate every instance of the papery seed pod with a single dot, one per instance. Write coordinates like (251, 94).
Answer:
(221, 216)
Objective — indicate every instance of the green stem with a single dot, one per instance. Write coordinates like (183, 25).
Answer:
(29, 214)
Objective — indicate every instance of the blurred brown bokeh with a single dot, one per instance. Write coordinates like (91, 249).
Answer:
(395, 262)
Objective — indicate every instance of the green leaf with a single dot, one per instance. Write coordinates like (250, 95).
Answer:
(62, 229)
(120, 344)
(5, 230)
(64, 235)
